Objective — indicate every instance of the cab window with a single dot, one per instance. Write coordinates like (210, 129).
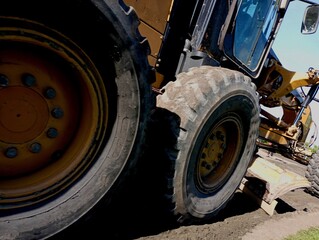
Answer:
(254, 25)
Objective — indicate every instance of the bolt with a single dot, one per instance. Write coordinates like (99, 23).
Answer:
(204, 163)
(28, 80)
(11, 152)
(35, 147)
(220, 136)
(4, 81)
(208, 167)
(57, 113)
(212, 137)
(52, 133)
(50, 93)
(57, 155)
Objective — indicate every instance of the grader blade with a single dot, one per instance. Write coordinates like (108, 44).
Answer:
(265, 182)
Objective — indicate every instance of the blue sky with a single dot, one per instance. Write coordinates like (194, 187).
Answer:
(296, 51)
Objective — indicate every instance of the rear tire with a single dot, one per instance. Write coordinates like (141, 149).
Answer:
(219, 120)
(312, 174)
(89, 91)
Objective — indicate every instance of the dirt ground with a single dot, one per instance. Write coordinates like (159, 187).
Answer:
(139, 214)
(243, 219)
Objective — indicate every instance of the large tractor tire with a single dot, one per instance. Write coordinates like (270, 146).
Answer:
(74, 101)
(312, 174)
(215, 140)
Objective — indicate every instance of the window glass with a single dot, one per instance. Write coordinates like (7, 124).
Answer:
(254, 25)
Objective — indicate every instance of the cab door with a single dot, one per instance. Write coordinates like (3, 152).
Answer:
(251, 33)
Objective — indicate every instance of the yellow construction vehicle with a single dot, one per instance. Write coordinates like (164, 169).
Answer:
(78, 86)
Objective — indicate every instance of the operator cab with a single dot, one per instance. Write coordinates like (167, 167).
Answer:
(235, 34)
(247, 33)
(242, 37)
(249, 37)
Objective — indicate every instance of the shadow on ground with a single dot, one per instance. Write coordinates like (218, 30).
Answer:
(140, 210)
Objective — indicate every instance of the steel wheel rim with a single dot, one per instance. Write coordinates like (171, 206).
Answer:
(219, 154)
(49, 98)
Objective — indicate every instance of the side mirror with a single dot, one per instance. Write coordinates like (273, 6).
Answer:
(310, 20)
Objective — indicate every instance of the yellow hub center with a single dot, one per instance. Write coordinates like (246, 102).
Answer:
(50, 113)
(213, 151)
(219, 153)
(24, 114)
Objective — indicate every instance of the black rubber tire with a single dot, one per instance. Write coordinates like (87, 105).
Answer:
(107, 32)
(201, 98)
(312, 174)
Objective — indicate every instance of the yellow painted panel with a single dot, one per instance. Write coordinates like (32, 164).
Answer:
(151, 60)
(153, 12)
(271, 135)
(154, 38)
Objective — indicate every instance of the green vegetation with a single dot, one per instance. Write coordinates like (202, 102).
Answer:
(313, 149)
(309, 234)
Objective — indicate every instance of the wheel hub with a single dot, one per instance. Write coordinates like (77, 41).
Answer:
(50, 113)
(219, 153)
(24, 114)
(31, 114)
(213, 151)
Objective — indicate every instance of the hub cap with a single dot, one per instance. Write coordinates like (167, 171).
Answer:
(50, 113)
(219, 153)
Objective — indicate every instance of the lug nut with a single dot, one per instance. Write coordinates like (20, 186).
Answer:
(50, 93)
(203, 155)
(28, 80)
(35, 147)
(204, 164)
(57, 113)
(11, 152)
(223, 146)
(220, 136)
(212, 137)
(57, 155)
(52, 133)
(4, 81)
